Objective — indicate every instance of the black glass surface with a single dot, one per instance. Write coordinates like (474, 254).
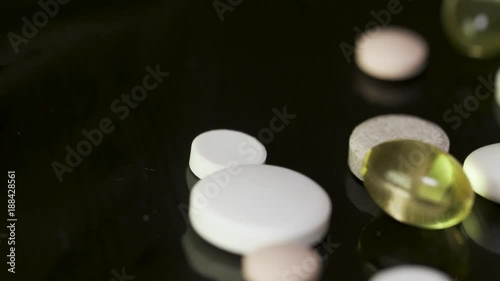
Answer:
(120, 212)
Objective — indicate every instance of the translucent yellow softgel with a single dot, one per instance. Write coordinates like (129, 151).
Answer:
(473, 26)
(417, 184)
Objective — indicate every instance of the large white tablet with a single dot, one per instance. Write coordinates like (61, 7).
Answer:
(251, 206)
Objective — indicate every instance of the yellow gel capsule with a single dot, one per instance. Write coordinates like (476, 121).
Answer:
(472, 26)
(417, 184)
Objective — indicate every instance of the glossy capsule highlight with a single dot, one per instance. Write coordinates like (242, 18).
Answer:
(417, 184)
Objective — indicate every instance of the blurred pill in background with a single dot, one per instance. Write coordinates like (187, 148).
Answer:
(410, 273)
(282, 262)
(391, 53)
(473, 26)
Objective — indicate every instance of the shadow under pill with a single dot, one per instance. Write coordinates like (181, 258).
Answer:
(483, 225)
(386, 93)
(191, 178)
(359, 196)
(184, 188)
(209, 261)
(384, 242)
(496, 112)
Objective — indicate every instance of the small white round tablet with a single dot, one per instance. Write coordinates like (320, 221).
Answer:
(389, 127)
(282, 262)
(242, 209)
(216, 150)
(410, 273)
(391, 53)
(482, 169)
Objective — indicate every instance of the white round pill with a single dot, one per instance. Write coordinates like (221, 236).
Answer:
(282, 262)
(410, 273)
(383, 128)
(216, 150)
(242, 209)
(482, 169)
(391, 53)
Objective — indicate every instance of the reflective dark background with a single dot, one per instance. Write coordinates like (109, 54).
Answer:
(120, 213)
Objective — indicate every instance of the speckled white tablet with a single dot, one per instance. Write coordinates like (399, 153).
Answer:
(282, 262)
(391, 53)
(410, 273)
(240, 210)
(482, 167)
(389, 127)
(216, 150)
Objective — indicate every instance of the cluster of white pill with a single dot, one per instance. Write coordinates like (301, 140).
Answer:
(264, 212)
(273, 215)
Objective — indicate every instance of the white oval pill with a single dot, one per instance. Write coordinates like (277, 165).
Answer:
(243, 209)
(391, 53)
(216, 150)
(410, 273)
(282, 262)
(482, 169)
(389, 127)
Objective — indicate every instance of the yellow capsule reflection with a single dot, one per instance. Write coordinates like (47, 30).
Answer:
(384, 243)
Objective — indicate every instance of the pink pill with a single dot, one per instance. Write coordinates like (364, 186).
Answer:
(391, 53)
(282, 262)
